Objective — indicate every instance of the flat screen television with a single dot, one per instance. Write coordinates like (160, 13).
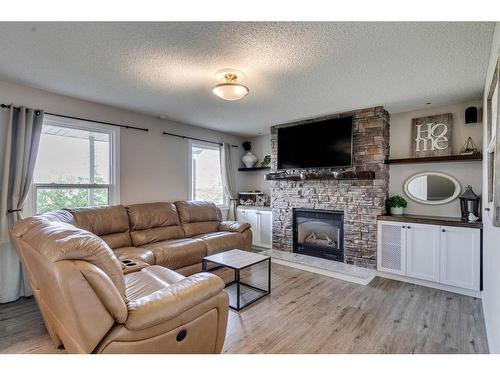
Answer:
(321, 144)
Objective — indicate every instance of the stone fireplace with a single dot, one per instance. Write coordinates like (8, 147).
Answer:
(359, 200)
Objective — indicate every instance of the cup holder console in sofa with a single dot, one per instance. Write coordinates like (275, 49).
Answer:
(133, 265)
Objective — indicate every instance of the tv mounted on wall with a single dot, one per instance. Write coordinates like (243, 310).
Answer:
(319, 144)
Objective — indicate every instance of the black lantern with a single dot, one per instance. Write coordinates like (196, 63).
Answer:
(471, 115)
(469, 203)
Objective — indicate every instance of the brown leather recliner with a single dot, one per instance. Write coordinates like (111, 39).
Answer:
(92, 305)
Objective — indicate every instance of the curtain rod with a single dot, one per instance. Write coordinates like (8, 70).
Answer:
(83, 119)
(195, 139)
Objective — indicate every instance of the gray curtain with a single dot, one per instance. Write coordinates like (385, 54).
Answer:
(20, 131)
(226, 166)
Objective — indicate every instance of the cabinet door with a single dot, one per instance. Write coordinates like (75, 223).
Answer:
(266, 229)
(240, 215)
(422, 251)
(391, 247)
(460, 257)
(252, 218)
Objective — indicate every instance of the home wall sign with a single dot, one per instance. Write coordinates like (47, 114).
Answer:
(431, 135)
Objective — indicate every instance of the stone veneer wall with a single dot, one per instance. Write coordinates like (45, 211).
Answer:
(361, 200)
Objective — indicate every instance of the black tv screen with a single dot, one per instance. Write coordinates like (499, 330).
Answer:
(322, 144)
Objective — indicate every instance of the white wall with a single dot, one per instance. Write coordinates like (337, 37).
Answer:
(491, 234)
(254, 180)
(467, 173)
(154, 167)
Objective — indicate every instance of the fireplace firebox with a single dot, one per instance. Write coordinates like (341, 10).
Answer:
(319, 233)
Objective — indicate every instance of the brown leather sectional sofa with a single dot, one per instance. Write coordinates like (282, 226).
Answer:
(91, 301)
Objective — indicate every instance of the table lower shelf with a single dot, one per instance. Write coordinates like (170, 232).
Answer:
(248, 294)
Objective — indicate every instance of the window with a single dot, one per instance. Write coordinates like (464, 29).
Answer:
(76, 165)
(206, 178)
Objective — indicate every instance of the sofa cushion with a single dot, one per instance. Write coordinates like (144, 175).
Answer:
(164, 274)
(110, 223)
(116, 240)
(204, 227)
(153, 222)
(179, 253)
(222, 241)
(190, 270)
(140, 284)
(149, 280)
(233, 226)
(138, 253)
(198, 217)
(196, 211)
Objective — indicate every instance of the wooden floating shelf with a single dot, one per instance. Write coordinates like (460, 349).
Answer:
(346, 175)
(436, 220)
(436, 159)
(253, 169)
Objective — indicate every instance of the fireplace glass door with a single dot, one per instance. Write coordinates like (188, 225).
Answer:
(319, 233)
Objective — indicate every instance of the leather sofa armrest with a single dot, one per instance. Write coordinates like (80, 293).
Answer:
(233, 226)
(172, 301)
(103, 287)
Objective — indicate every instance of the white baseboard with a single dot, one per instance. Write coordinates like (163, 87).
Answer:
(430, 284)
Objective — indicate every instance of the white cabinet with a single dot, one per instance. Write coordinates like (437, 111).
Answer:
(240, 214)
(266, 229)
(460, 258)
(444, 255)
(392, 247)
(422, 251)
(252, 218)
(261, 221)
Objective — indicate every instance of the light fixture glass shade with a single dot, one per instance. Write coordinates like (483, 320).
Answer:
(230, 91)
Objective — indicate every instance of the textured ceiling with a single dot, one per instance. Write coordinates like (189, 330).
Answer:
(294, 70)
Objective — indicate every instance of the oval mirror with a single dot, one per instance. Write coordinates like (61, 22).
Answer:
(432, 188)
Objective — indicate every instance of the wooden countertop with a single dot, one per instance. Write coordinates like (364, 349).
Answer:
(260, 208)
(436, 220)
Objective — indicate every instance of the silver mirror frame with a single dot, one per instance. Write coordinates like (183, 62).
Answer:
(456, 193)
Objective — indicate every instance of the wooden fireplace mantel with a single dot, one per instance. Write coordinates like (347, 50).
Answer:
(327, 175)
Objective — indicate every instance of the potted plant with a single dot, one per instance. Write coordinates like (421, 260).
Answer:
(397, 203)
(266, 161)
(248, 159)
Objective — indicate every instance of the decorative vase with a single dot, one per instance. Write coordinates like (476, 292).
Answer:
(397, 210)
(249, 159)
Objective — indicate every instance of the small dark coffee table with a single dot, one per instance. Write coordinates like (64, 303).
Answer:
(240, 294)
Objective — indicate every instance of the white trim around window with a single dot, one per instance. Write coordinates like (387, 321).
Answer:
(205, 145)
(114, 160)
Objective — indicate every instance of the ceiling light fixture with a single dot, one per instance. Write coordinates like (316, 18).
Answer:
(231, 89)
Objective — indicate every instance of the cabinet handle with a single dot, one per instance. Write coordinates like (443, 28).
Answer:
(403, 227)
(443, 230)
(409, 227)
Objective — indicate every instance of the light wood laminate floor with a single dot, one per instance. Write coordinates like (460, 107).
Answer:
(310, 313)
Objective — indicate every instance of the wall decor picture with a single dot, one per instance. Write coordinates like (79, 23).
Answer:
(431, 135)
